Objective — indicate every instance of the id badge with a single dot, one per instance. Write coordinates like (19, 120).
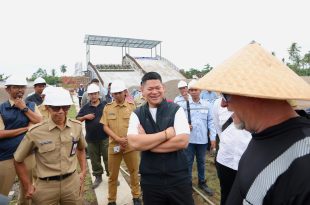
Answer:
(116, 149)
(74, 147)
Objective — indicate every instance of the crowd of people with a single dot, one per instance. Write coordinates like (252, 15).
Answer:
(241, 112)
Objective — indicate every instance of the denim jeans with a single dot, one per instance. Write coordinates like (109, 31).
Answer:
(198, 150)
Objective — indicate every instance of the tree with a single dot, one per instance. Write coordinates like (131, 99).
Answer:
(39, 73)
(53, 72)
(306, 60)
(197, 72)
(50, 79)
(2, 77)
(63, 68)
(294, 56)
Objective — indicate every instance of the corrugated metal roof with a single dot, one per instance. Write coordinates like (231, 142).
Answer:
(120, 42)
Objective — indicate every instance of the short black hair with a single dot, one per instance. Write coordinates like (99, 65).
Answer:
(150, 76)
(95, 80)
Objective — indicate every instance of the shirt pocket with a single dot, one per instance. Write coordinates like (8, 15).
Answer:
(112, 121)
(47, 153)
(126, 119)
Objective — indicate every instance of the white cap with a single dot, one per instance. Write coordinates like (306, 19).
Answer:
(191, 85)
(93, 88)
(58, 97)
(182, 84)
(15, 80)
(48, 90)
(39, 80)
(117, 86)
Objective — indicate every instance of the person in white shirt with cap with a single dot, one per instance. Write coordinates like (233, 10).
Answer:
(184, 96)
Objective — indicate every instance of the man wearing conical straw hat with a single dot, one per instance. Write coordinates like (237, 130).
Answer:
(276, 165)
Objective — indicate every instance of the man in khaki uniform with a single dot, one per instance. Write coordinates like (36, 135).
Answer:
(16, 116)
(115, 123)
(58, 144)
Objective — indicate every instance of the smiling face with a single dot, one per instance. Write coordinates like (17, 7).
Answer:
(153, 91)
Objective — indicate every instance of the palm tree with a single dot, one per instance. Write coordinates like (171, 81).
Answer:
(63, 69)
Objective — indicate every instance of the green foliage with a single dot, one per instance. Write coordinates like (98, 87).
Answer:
(298, 63)
(2, 77)
(50, 79)
(197, 72)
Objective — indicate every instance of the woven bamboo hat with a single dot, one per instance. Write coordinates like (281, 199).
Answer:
(254, 72)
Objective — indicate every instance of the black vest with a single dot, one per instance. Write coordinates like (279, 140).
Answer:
(159, 169)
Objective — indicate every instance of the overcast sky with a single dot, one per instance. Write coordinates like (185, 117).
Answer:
(47, 34)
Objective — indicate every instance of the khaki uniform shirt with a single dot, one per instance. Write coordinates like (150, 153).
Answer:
(139, 100)
(116, 117)
(54, 151)
(2, 127)
(44, 112)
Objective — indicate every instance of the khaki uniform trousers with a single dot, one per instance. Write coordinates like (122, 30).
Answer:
(131, 161)
(8, 174)
(54, 192)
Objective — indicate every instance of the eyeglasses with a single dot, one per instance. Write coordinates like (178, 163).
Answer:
(57, 108)
(226, 97)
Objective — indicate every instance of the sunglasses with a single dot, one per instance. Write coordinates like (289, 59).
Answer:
(226, 97)
(57, 108)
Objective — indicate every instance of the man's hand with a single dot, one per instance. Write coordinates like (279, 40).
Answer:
(170, 132)
(29, 191)
(213, 144)
(123, 141)
(82, 176)
(19, 103)
(89, 116)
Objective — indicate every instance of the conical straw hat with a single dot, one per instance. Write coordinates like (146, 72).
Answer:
(254, 72)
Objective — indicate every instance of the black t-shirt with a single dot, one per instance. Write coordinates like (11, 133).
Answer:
(293, 185)
(94, 129)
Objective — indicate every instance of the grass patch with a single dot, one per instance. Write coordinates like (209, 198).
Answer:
(212, 181)
(72, 112)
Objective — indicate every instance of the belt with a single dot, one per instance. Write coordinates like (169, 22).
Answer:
(57, 178)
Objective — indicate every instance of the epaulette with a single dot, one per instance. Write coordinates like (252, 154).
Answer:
(76, 121)
(36, 125)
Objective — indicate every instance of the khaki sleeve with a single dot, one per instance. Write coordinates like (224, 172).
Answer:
(2, 127)
(82, 143)
(104, 119)
(24, 148)
(36, 110)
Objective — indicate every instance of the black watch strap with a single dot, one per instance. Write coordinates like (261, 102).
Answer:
(25, 109)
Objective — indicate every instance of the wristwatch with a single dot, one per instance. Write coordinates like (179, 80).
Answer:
(25, 109)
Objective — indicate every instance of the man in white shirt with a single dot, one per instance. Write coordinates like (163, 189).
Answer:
(160, 130)
(233, 143)
(184, 96)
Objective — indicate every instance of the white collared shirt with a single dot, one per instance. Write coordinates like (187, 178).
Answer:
(233, 142)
